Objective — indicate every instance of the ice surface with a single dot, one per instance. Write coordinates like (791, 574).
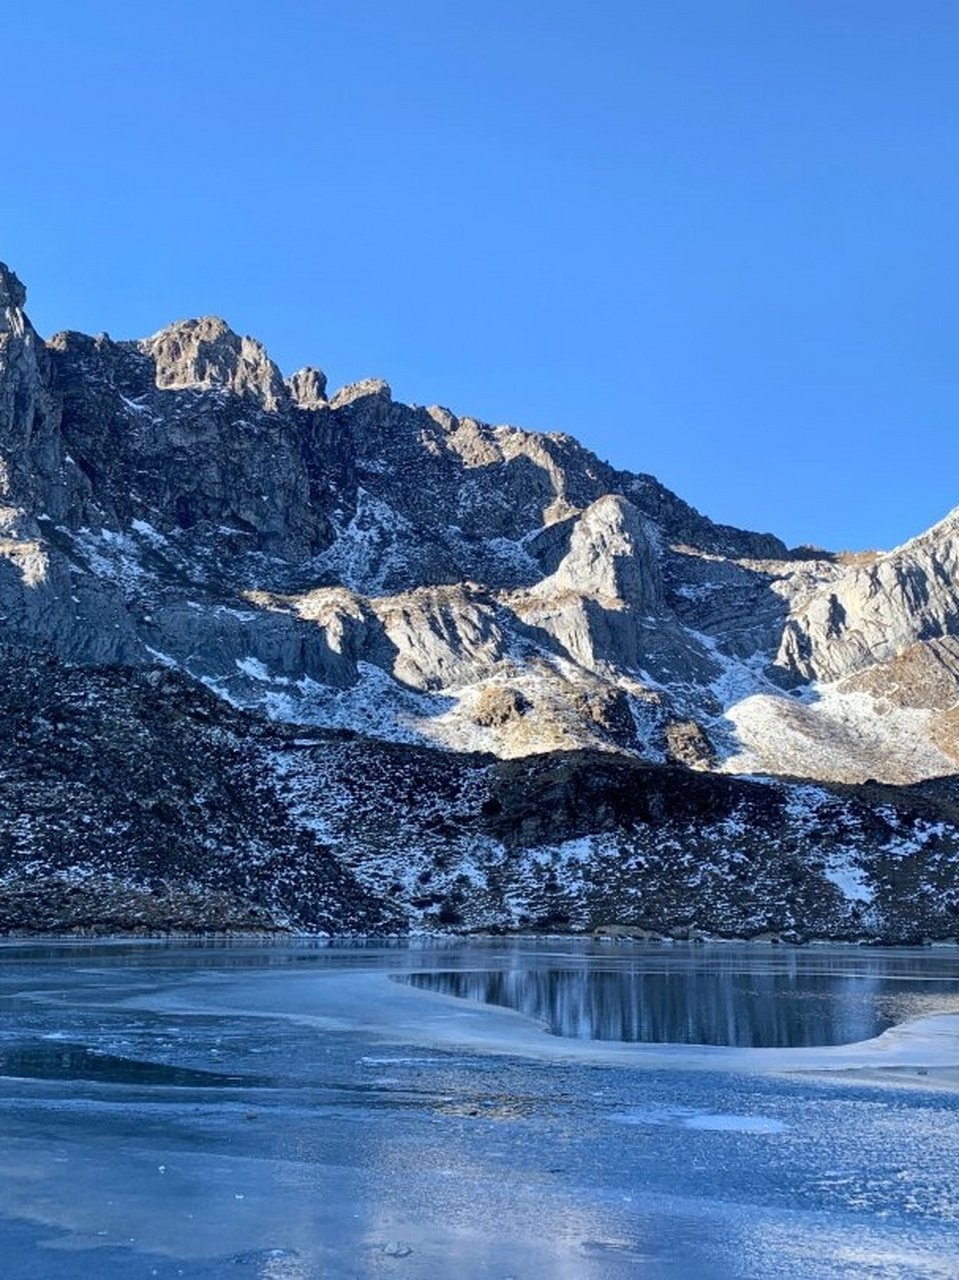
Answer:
(702, 1120)
(287, 1111)
(735, 1124)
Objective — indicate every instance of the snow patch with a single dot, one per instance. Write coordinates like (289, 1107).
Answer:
(253, 668)
(698, 591)
(848, 877)
(376, 705)
(370, 548)
(147, 531)
(136, 408)
(111, 555)
(832, 734)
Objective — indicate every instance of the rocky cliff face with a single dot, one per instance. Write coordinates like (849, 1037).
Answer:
(174, 509)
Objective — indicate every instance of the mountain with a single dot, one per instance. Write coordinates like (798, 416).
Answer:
(282, 658)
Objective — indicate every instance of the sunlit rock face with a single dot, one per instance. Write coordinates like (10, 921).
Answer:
(344, 562)
(875, 610)
(176, 500)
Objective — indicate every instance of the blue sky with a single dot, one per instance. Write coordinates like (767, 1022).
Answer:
(714, 239)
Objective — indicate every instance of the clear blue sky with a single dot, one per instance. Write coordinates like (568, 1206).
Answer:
(714, 239)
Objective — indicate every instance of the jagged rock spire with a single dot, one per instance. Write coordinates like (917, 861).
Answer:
(206, 353)
(13, 295)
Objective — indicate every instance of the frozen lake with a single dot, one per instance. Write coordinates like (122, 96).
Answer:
(291, 1110)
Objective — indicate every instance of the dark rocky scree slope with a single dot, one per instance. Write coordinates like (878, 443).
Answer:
(282, 660)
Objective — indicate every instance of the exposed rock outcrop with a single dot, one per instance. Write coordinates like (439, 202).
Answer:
(304, 567)
(176, 497)
(204, 355)
(30, 455)
(871, 613)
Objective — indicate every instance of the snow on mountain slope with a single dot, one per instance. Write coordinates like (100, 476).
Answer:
(283, 659)
(349, 561)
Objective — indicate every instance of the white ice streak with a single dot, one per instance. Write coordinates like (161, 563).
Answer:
(253, 668)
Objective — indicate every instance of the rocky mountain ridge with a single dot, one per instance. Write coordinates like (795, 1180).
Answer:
(174, 509)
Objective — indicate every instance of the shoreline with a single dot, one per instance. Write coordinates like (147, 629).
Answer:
(601, 937)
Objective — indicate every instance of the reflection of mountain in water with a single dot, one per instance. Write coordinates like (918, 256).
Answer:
(756, 1010)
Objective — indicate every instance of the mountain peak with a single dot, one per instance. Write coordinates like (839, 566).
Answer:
(12, 291)
(365, 389)
(206, 353)
(308, 387)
